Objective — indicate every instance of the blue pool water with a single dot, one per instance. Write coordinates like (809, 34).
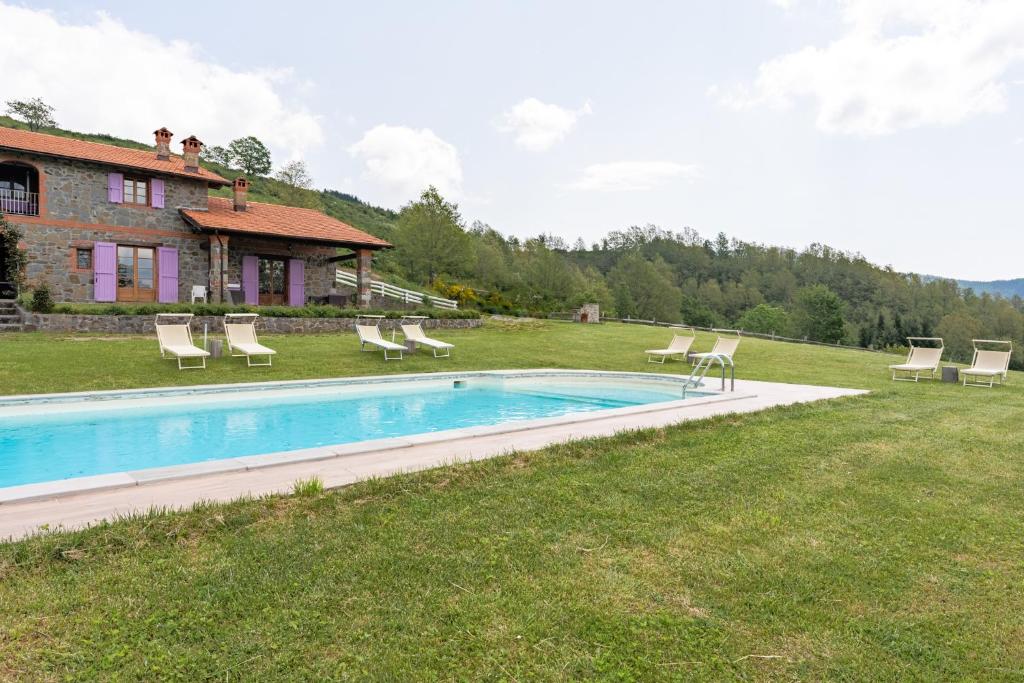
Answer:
(58, 444)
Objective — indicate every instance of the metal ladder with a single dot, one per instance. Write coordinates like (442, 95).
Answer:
(701, 369)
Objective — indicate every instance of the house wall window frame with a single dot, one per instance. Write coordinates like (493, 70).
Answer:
(81, 258)
(137, 190)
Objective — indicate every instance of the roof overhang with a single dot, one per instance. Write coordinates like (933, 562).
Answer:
(348, 244)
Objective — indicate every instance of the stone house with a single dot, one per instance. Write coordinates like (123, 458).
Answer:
(106, 223)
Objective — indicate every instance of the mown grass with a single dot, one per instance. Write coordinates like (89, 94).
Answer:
(870, 538)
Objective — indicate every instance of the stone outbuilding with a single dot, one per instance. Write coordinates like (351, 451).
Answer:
(113, 224)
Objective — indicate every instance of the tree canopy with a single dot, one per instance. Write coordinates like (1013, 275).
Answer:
(36, 113)
(250, 156)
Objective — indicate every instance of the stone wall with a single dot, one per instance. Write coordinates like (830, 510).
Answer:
(51, 252)
(77, 191)
(143, 324)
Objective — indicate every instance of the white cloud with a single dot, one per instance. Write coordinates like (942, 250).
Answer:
(620, 176)
(81, 70)
(402, 161)
(539, 126)
(898, 64)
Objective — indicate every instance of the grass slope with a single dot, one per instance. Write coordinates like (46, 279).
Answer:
(872, 538)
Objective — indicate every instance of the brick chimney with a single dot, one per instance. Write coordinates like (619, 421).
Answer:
(163, 143)
(241, 188)
(192, 147)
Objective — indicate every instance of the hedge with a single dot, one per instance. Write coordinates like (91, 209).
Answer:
(318, 311)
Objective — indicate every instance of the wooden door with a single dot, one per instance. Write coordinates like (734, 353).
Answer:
(273, 281)
(136, 273)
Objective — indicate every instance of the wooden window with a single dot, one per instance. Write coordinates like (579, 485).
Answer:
(136, 190)
(83, 258)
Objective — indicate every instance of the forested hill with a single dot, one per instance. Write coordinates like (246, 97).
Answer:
(648, 272)
(1003, 288)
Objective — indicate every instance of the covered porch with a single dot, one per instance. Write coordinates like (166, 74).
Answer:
(272, 255)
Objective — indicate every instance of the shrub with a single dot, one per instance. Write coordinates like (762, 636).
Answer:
(42, 300)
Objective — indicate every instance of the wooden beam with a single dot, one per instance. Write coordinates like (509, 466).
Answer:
(338, 259)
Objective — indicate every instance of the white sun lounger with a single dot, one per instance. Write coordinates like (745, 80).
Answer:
(175, 340)
(988, 364)
(414, 332)
(240, 329)
(370, 334)
(679, 345)
(724, 346)
(921, 359)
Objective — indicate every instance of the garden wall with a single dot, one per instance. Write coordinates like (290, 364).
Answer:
(143, 324)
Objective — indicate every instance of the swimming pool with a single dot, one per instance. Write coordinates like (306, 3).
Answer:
(47, 439)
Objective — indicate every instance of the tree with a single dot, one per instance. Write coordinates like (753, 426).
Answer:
(12, 259)
(819, 314)
(251, 156)
(430, 240)
(294, 173)
(642, 290)
(218, 155)
(765, 319)
(958, 330)
(36, 113)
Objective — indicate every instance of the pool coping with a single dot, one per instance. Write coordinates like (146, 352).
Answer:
(102, 482)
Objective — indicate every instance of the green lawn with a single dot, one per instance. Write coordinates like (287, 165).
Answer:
(871, 538)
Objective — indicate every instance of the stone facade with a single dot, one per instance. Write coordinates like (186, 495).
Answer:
(143, 324)
(75, 212)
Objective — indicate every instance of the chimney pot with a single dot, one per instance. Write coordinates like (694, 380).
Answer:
(192, 146)
(241, 188)
(163, 143)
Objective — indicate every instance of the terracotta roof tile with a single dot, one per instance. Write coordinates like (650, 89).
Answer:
(123, 157)
(279, 221)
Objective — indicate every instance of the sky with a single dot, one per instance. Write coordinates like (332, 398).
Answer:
(892, 128)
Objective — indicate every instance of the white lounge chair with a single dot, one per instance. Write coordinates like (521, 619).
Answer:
(988, 364)
(724, 346)
(175, 340)
(240, 329)
(413, 332)
(370, 334)
(921, 359)
(679, 346)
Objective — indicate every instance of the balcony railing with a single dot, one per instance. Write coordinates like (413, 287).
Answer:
(19, 203)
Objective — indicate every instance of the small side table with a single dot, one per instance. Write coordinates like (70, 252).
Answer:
(410, 346)
(951, 374)
(216, 348)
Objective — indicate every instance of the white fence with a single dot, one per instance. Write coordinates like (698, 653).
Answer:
(408, 296)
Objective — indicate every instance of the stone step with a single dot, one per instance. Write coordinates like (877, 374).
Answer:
(11, 328)
(9, 317)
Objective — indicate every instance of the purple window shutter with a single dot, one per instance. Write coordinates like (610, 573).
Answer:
(104, 271)
(296, 282)
(157, 186)
(251, 279)
(115, 188)
(167, 265)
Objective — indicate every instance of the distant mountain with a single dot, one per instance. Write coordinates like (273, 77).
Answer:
(1005, 288)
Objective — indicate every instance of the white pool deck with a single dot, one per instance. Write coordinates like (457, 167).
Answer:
(76, 503)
